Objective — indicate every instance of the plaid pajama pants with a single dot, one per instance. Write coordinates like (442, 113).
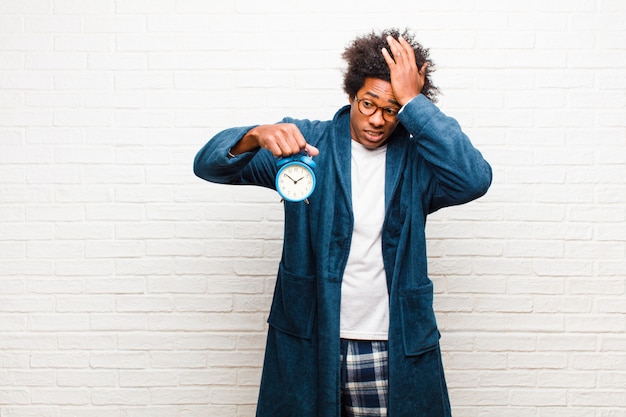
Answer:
(364, 378)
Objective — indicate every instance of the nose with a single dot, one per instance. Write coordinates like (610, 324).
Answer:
(376, 119)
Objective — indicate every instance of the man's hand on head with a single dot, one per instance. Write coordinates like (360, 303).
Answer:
(407, 80)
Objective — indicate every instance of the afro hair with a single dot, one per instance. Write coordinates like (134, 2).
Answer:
(365, 60)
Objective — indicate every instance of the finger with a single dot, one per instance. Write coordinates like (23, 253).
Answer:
(288, 146)
(395, 47)
(402, 50)
(388, 59)
(312, 150)
(277, 144)
(296, 140)
(409, 52)
(274, 148)
(289, 140)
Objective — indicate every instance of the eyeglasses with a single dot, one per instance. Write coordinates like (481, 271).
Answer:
(367, 108)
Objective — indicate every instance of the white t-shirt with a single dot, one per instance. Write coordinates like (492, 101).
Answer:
(364, 296)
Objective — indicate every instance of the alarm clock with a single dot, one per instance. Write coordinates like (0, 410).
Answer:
(295, 180)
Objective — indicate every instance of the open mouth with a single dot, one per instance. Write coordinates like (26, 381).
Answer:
(373, 136)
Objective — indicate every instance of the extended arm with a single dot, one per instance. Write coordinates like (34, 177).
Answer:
(247, 155)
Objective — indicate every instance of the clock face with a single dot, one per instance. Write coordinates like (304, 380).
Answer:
(295, 181)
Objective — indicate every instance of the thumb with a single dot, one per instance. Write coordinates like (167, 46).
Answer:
(312, 150)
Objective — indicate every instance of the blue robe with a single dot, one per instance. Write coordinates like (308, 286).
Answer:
(430, 164)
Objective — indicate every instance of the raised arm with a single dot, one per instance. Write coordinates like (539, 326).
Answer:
(460, 171)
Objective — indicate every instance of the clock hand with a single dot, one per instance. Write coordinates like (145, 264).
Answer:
(294, 181)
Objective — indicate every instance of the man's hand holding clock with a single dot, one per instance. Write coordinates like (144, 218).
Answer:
(295, 180)
(282, 139)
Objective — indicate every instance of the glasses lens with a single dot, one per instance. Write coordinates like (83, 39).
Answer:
(366, 107)
(389, 115)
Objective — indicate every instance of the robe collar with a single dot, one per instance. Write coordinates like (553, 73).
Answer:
(342, 151)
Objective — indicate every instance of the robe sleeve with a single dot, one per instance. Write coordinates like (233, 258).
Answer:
(212, 162)
(258, 167)
(460, 172)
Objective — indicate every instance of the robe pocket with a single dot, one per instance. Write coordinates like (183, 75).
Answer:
(293, 306)
(419, 326)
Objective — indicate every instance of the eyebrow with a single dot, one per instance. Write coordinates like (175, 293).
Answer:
(369, 93)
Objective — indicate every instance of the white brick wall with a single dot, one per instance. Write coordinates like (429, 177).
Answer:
(128, 287)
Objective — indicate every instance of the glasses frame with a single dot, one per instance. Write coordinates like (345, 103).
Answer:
(375, 108)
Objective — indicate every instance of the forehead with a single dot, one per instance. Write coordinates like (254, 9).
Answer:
(377, 89)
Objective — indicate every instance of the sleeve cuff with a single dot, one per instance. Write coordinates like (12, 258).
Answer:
(407, 103)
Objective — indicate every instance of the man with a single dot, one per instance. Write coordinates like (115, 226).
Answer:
(352, 330)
